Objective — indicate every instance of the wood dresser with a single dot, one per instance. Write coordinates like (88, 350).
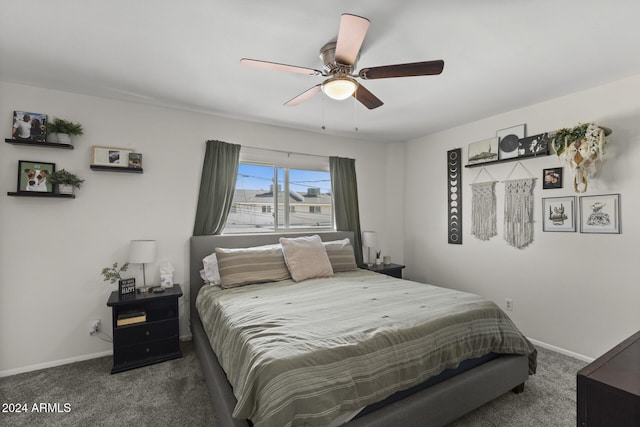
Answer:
(609, 388)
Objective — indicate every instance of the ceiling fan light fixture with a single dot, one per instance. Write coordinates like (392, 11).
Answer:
(339, 88)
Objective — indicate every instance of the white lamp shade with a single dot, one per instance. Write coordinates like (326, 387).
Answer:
(142, 251)
(369, 239)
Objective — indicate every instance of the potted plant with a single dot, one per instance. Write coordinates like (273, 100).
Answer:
(64, 129)
(112, 274)
(378, 259)
(66, 181)
(580, 147)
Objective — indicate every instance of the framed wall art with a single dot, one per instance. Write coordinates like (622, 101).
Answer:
(29, 126)
(534, 145)
(483, 151)
(509, 141)
(559, 214)
(454, 196)
(110, 156)
(551, 178)
(600, 214)
(32, 176)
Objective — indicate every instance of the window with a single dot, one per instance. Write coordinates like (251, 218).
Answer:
(270, 198)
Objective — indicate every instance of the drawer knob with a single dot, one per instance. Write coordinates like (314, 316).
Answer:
(148, 350)
(147, 333)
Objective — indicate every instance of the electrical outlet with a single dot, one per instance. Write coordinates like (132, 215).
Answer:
(94, 327)
(508, 304)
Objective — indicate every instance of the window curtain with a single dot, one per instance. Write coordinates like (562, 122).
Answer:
(217, 185)
(345, 200)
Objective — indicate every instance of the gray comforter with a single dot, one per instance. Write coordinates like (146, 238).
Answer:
(305, 353)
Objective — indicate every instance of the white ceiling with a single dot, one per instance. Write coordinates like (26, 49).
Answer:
(499, 55)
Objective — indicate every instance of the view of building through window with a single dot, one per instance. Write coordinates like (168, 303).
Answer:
(301, 200)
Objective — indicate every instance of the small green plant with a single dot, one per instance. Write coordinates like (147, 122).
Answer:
(65, 178)
(112, 274)
(58, 125)
(378, 253)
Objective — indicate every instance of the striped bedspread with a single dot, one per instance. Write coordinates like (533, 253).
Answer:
(302, 354)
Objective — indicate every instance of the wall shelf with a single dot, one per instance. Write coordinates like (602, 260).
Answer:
(38, 144)
(513, 159)
(115, 169)
(40, 194)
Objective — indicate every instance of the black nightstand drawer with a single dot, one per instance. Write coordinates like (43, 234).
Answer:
(144, 332)
(150, 350)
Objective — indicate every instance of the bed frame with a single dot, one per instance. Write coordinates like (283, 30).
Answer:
(435, 405)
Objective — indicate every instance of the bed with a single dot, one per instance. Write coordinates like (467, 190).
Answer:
(439, 398)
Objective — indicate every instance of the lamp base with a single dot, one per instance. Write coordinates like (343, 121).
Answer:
(144, 289)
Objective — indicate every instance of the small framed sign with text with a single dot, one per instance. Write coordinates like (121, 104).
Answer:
(126, 287)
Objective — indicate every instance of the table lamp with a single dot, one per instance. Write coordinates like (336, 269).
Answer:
(142, 252)
(369, 240)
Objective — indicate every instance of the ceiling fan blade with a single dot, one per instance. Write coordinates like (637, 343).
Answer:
(303, 96)
(280, 67)
(426, 68)
(350, 37)
(367, 99)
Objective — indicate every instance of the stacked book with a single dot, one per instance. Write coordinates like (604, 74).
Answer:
(131, 318)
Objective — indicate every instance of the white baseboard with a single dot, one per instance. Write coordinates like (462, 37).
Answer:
(53, 363)
(561, 350)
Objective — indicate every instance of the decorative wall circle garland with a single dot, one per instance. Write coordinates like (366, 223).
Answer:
(454, 196)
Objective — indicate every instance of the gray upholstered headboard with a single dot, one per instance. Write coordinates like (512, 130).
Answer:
(201, 246)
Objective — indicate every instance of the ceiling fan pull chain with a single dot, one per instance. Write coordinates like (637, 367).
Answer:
(355, 114)
(323, 128)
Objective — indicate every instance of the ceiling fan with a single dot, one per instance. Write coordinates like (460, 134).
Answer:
(339, 59)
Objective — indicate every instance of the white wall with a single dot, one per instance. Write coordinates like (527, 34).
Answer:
(52, 250)
(578, 292)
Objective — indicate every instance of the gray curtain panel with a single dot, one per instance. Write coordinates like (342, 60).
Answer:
(345, 200)
(217, 185)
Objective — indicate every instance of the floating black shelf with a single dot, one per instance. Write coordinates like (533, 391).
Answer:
(38, 144)
(513, 159)
(40, 194)
(115, 169)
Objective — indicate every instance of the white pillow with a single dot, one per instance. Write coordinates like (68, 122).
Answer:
(306, 257)
(210, 274)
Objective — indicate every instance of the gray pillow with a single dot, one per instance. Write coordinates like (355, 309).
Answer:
(245, 266)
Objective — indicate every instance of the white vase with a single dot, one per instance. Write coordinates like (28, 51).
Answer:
(65, 189)
(64, 138)
(378, 261)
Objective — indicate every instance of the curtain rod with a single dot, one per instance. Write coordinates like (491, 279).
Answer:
(284, 151)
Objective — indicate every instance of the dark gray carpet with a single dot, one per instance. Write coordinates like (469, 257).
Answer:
(174, 393)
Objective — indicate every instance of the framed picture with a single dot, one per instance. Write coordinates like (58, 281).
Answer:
(483, 151)
(110, 156)
(600, 214)
(135, 160)
(509, 141)
(559, 213)
(551, 178)
(126, 287)
(534, 145)
(29, 126)
(32, 176)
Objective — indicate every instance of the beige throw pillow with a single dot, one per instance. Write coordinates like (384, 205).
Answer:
(306, 257)
(341, 255)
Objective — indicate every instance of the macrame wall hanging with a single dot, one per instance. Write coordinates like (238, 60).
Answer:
(483, 208)
(518, 211)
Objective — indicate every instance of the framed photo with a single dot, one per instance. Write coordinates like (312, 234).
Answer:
(509, 141)
(135, 160)
(600, 214)
(483, 151)
(32, 176)
(551, 178)
(534, 145)
(29, 126)
(559, 213)
(110, 156)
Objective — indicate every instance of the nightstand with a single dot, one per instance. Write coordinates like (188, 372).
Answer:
(393, 270)
(152, 340)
